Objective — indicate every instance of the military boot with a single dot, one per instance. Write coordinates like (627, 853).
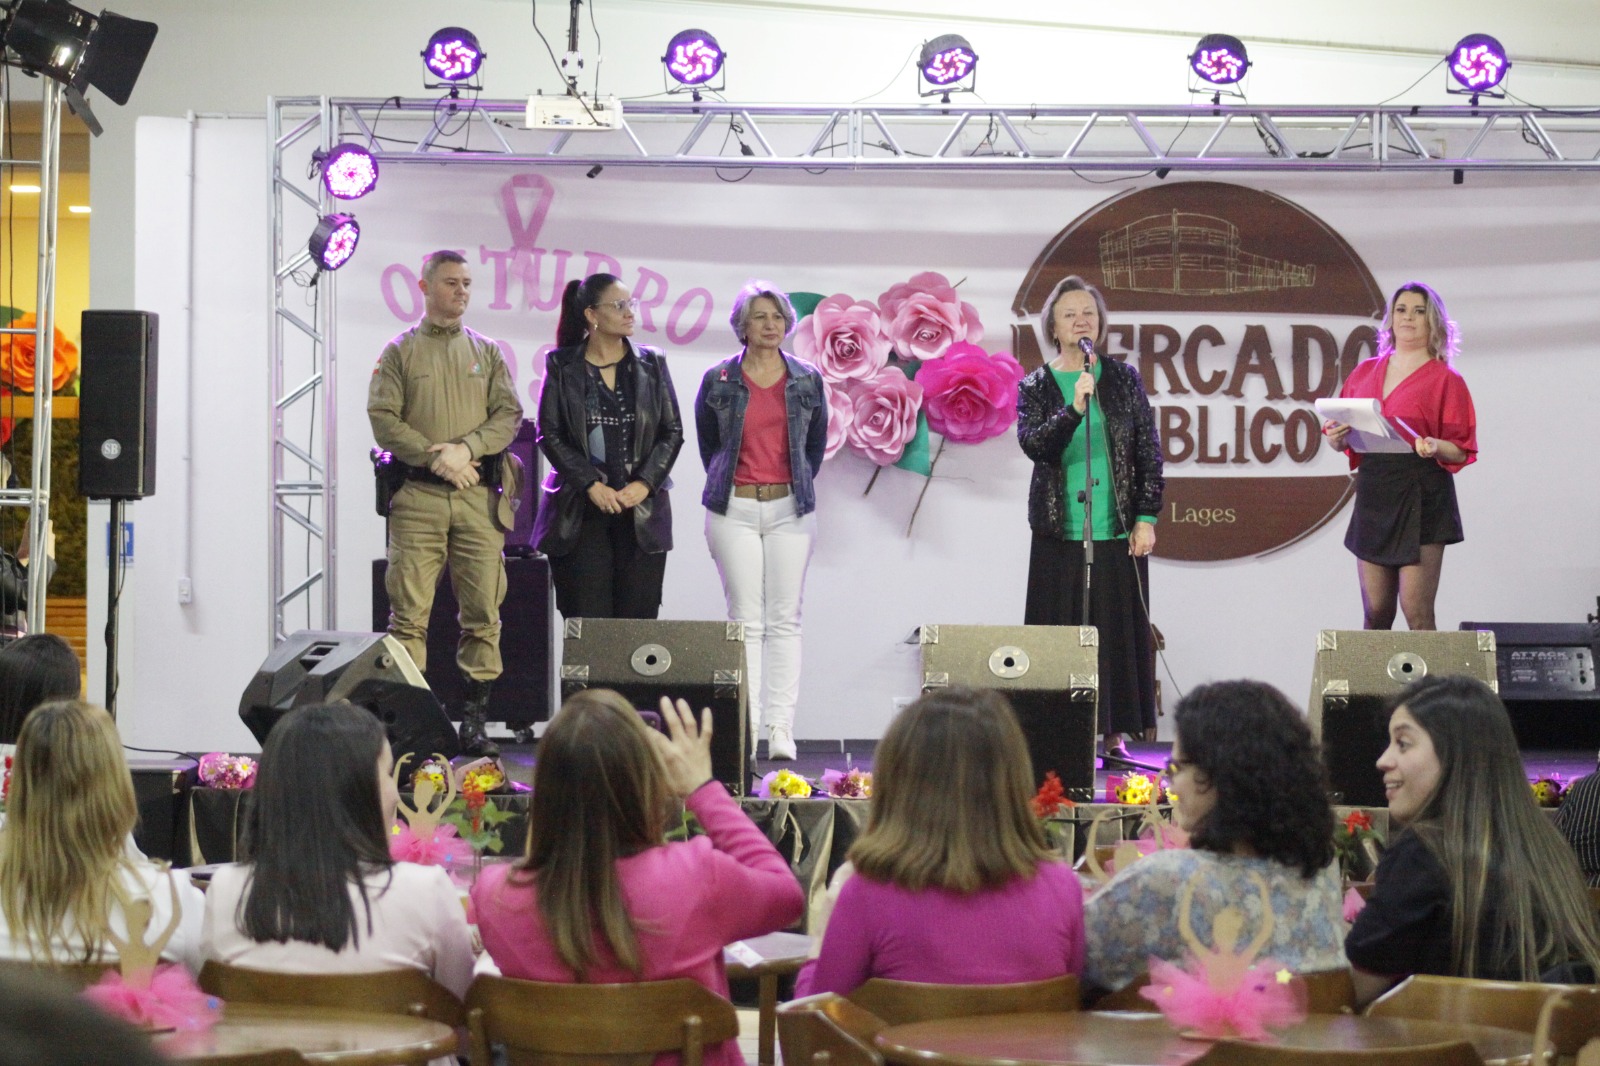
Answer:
(474, 718)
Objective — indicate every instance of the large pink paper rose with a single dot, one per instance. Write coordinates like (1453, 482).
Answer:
(841, 413)
(885, 416)
(923, 317)
(971, 395)
(844, 338)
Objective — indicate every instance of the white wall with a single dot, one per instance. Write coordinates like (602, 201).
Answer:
(1524, 284)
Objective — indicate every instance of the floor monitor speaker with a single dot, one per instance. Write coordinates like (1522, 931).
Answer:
(1050, 674)
(1357, 673)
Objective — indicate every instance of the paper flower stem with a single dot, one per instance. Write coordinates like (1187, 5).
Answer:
(873, 480)
(928, 481)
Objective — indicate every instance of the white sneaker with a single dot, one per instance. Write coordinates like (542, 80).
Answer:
(780, 744)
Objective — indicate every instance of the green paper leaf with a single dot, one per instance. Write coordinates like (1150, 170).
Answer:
(916, 457)
(9, 315)
(910, 366)
(805, 302)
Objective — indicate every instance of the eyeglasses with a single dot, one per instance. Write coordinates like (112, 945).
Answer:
(620, 306)
(1174, 765)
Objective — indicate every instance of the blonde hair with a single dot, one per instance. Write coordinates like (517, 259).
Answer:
(599, 795)
(950, 789)
(69, 813)
(1444, 336)
(1072, 283)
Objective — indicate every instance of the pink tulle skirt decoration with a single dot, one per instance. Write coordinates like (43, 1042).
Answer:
(1353, 904)
(172, 1001)
(1259, 1001)
(443, 848)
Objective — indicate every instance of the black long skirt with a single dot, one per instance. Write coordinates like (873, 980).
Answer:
(1119, 608)
(1402, 503)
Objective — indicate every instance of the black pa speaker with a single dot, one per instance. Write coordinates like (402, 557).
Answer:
(701, 662)
(1050, 675)
(117, 408)
(525, 446)
(370, 670)
(521, 695)
(1357, 673)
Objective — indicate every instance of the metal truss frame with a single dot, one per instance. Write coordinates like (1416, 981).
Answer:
(1196, 138)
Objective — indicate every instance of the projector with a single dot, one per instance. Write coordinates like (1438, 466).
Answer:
(571, 114)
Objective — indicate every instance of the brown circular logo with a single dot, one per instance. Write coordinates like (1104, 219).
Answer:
(1239, 308)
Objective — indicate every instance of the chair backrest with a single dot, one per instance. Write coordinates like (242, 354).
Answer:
(1327, 992)
(1244, 1053)
(1568, 1023)
(830, 1028)
(286, 1056)
(396, 991)
(548, 1024)
(1504, 1004)
(903, 1002)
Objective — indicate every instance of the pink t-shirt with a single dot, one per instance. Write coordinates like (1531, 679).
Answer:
(764, 448)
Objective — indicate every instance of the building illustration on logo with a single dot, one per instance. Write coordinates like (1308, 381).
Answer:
(1190, 254)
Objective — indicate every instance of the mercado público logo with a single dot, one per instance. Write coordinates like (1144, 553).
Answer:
(1239, 309)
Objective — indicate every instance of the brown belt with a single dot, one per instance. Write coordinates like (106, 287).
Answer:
(761, 492)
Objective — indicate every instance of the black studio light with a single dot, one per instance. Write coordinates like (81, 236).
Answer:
(81, 51)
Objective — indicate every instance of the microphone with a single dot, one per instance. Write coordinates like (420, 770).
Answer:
(1086, 346)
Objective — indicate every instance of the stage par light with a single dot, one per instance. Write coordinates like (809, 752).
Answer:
(453, 56)
(693, 57)
(1478, 63)
(1219, 59)
(79, 50)
(349, 172)
(944, 62)
(334, 241)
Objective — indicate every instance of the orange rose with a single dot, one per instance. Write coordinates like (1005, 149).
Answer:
(17, 357)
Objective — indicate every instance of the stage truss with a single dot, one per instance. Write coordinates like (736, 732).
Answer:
(732, 138)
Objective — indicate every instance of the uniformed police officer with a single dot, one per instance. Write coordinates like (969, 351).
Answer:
(442, 402)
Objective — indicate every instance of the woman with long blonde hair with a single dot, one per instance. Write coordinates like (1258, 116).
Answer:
(952, 882)
(601, 897)
(65, 870)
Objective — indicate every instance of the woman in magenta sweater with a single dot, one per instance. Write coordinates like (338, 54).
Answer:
(601, 897)
(952, 882)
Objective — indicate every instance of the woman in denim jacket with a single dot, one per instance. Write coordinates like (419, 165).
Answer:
(763, 422)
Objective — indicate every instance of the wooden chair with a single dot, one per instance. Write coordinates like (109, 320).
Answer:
(561, 1024)
(76, 975)
(1327, 992)
(828, 1028)
(287, 1056)
(1568, 1030)
(1244, 1053)
(397, 991)
(903, 1002)
(1504, 1004)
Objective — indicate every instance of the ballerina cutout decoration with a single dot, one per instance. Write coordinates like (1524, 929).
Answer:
(143, 990)
(1222, 989)
(424, 837)
(1155, 834)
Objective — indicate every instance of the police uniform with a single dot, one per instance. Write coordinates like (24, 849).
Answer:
(437, 384)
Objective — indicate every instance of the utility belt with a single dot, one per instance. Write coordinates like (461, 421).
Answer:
(391, 474)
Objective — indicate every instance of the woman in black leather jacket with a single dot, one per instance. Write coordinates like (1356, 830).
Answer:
(609, 425)
(1126, 457)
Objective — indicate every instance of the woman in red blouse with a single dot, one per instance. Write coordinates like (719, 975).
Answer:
(1405, 511)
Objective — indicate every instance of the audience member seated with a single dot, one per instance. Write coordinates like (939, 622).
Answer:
(601, 897)
(34, 670)
(1578, 819)
(1478, 883)
(63, 854)
(952, 882)
(1248, 785)
(317, 891)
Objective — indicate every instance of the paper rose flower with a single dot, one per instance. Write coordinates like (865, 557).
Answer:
(218, 769)
(784, 784)
(844, 338)
(885, 416)
(923, 317)
(972, 395)
(17, 357)
(841, 413)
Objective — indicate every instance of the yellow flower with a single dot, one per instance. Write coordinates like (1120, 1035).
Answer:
(1136, 788)
(790, 785)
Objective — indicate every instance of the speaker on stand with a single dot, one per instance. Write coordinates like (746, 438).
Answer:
(117, 436)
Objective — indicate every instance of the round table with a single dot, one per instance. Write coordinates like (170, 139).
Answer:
(1114, 1038)
(320, 1034)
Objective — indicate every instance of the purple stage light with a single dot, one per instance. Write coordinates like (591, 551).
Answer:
(1220, 59)
(947, 59)
(334, 241)
(453, 54)
(693, 57)
(349, 172)
(1478, 62)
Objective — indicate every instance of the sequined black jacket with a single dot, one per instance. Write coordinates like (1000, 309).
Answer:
(1046, 423)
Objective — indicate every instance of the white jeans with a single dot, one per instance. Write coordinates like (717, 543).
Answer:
(762, 549)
